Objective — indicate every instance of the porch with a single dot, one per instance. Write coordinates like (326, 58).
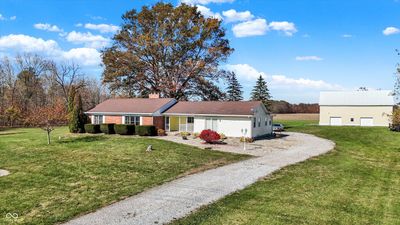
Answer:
(179, 124)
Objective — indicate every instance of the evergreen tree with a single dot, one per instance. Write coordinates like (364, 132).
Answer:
(260, 92)
(82, 118)
(72, 113)
(234, 92)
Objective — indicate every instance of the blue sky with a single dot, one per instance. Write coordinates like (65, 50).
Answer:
(301, 47)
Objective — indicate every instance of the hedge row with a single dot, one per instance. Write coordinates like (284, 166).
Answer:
(121, 129)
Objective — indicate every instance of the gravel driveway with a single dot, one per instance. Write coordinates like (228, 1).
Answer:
(180, 197)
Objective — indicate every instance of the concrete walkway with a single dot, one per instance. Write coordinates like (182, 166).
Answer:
(4, 173)
(180, 197)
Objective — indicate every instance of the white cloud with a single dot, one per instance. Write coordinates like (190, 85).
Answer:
(2, 17)
(87, 39)
(208, 13)
(347, 36)
(249, 73)
(287, 28)
(103, 28)
(255, 27)
(308, 58)
(391, 30)
(20, 42)
(86, 56)
(49, 48)
(47, 27)
(234, 16)
(13, 17)
(245, 71)
(281, 80)
(205, 2)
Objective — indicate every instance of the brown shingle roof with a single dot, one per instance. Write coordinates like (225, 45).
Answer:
(131, 105)
(214, 108)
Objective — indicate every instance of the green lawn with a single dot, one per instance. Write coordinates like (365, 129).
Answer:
(79, 174)
(357, 183)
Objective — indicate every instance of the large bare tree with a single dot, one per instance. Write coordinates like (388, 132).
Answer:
(174, 51)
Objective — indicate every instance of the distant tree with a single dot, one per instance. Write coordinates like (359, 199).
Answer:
(234, 90)
(73, 117)
(171, 50)
(260, 92)
(82, 118)
(362, 89)
(48, 117)
(11, 115)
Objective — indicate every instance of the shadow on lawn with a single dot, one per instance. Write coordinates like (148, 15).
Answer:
(81, 139)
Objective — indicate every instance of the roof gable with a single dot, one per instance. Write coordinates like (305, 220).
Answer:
(356, 98)
(240, 108)
(133, 105)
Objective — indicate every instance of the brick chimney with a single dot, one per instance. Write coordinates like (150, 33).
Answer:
(154, 95)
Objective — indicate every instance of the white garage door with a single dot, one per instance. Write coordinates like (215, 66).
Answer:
(367, 121)
(336, 121)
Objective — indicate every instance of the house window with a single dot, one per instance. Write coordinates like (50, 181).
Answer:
(167, 123)
(259, 122)
(351, 119)
(134, 120)
(254, 122)
(190, 119)
(270, 122)
(98, 119)
(265, 122)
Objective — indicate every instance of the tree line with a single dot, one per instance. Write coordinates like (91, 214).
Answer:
(32, 87)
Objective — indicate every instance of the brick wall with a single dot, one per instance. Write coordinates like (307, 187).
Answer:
(147, 120)
(157, 121)
(114, 119)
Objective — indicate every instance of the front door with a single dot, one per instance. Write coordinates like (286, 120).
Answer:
(212, 124)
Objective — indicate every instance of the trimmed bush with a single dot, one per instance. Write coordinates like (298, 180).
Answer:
(146, 130)
(107, 128)
(209, 136)
(124, 129)
(92, 128)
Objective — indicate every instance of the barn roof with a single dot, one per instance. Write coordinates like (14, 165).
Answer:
(357, 98)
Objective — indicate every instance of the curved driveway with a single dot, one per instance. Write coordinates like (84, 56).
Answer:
(180, 197)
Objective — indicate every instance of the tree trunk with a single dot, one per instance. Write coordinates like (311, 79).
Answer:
(48, 137)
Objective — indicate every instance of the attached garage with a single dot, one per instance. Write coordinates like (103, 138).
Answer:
(366, 121)
(336, 121)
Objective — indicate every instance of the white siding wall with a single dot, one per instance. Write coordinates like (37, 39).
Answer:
(263, 129)
(232, 126)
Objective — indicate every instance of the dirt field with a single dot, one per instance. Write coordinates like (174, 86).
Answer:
(297, 116)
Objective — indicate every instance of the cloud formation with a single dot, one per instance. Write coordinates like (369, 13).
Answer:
(87, 39)
(102, 28)
(249, 73)
(47, 27)
(207, 12)
(390, 31)
(49, 48)
(255, 27)
(308, 58)
(285, 27)
(232, 15)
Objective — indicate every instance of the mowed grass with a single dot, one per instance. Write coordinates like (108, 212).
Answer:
(81, 173)
(357, 183)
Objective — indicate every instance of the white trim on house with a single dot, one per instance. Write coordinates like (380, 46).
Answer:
(214, 115)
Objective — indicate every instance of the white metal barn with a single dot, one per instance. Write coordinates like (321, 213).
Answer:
(356, 108)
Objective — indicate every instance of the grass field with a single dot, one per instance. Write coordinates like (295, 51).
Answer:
(357, 183)
(78, 174)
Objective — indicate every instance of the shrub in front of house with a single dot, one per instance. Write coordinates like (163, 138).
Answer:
(92, 128)
(146, 130)
(161, 132)
(107, 128)
(124, 129)
(209, 136)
